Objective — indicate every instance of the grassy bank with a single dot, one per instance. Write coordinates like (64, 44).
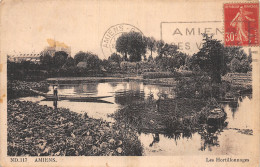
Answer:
(37, 130)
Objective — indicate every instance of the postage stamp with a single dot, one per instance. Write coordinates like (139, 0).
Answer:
(241, 24)
(108, 43)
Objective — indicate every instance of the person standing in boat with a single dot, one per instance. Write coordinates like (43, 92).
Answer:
(55, 91)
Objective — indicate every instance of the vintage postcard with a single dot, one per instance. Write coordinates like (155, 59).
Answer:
(129, 83)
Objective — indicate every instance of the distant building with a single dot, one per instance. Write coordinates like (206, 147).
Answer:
(51, 50)
(54, 46)
(33, 57)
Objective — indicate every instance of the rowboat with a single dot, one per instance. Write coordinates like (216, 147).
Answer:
(73, 97)
(216, 116)
(68, 97)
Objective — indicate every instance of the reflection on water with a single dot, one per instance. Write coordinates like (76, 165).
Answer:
(55, 104)
(121, 94)
(222, 140)
(89, 88)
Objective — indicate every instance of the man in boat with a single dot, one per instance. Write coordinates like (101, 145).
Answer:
(55, 91)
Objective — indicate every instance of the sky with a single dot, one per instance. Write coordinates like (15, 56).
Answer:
(26, 25)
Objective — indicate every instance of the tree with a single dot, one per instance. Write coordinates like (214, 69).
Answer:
(115, 58)
(122, 45)
(132, 43)
(235, 65)
(169, 50)
(136, 46)
(211, 58)
(60, 58)
(46, 59)
(169, 57)
(151, 44)
(80, 56)
(92, 62)
(70, 62)
(160, 44)
(237, 60)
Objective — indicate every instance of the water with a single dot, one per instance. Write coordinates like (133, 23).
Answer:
(227, 140)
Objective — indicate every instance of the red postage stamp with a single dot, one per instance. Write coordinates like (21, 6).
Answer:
(241, 24)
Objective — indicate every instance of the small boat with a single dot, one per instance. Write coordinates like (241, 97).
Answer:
(73, 97)
(216, 116)
(68, 97)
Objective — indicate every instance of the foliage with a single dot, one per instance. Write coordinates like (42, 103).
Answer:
(111, 66)
(60, 58)
(211, 58)
(70, 62)
(173, 116)
(17, 89)
(136, 45)
(133, 44)
(169, 58)
(194, 86)
(235, 65)
(159, 45)
(115, 58)
(237, 60)
(25, 70)
(38, 130)
(46, 60)
(122, 45)
(91, 61)
(151, 44)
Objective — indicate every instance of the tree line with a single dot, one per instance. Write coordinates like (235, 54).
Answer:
(133, 47)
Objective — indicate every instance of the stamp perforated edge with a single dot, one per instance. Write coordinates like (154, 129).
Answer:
(223, 18)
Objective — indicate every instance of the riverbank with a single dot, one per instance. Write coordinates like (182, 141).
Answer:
(17, 88)
(77, 80)
(37, 130)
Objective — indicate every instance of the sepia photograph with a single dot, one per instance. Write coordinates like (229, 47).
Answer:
(126, 83)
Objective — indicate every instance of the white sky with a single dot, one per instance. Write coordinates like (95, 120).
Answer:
(26, 24)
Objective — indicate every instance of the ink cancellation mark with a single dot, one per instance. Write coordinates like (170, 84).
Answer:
(108, 43)
(241, 24)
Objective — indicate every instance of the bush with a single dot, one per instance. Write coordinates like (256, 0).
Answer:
(194, 87)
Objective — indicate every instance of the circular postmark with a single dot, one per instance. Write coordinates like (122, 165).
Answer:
(108, 43)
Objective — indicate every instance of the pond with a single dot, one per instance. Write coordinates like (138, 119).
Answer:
(227, 140)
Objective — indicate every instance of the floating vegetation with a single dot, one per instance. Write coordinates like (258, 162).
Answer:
(16, 88)
(37, 130)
